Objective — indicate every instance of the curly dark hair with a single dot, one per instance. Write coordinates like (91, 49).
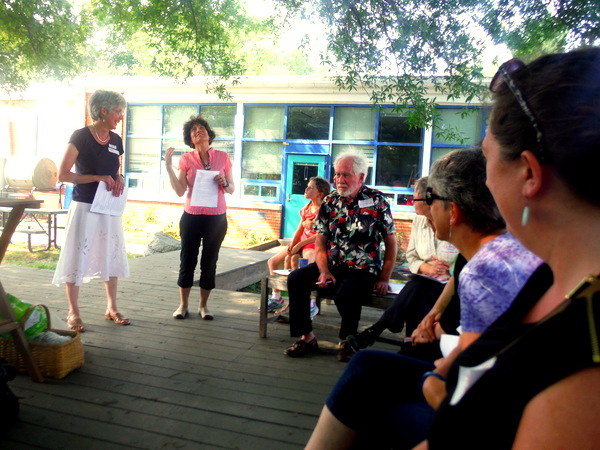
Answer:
(187, 130)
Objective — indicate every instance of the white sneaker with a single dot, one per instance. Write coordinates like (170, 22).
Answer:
(314, 309)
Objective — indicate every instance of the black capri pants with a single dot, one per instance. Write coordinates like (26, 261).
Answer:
(196, 229)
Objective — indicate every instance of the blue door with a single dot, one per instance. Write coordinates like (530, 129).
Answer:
(300, 168)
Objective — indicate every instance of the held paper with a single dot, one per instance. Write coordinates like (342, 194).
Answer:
(205, 190)
(106, 203)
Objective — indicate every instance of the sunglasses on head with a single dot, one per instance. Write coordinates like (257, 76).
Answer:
(503, 76)
(430, 197)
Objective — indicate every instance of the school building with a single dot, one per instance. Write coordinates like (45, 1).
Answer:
(278, 132)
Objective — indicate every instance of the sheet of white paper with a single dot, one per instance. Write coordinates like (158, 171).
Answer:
(395, 288)
(468, 376)
(283, 271)
(106, 203)
(206, 190)
(447, 343)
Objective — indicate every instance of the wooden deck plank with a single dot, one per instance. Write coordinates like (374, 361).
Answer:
(163, 383)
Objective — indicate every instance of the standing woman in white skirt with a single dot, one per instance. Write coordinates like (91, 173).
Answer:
(94, 245)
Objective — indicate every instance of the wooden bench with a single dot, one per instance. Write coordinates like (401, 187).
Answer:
(280, 282)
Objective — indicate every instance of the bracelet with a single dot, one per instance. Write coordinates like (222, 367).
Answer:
(432, 374)
(225, 186)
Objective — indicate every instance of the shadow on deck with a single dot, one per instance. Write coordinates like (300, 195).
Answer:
(163, 383)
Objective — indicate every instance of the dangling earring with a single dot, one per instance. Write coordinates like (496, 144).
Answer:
(525, 216)
(450, 232)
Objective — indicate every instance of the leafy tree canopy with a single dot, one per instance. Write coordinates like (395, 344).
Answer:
(39, 38)
(398, 50)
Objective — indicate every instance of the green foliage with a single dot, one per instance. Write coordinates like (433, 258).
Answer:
(177, 39)
(399, 51)
(150, 214)
(402, 245)
(38, 39)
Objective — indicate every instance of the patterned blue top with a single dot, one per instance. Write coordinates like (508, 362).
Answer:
(491, 280)
(355, 229)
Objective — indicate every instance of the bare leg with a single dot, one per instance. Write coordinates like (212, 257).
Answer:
(73, 299)
(184, 295)
(202, 307)
(274, 262)
(73, 317)
(330, 433)
(204, 294)
(112, 313)
(111, 295)
(309, 254)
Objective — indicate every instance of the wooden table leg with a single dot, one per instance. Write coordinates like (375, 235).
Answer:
(264, 296)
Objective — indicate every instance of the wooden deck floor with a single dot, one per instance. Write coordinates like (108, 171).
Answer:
(161, 383)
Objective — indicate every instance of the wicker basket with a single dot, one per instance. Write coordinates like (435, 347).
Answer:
(54, 360)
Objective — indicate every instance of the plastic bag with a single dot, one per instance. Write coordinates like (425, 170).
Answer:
(36, 321)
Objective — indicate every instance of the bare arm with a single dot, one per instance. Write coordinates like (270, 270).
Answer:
(226, 182)
(302, 243)
(179, 181)
(296, 238)
(66, 175)
(565, 415)
(322, 261)
(382, 285)
(425, 331)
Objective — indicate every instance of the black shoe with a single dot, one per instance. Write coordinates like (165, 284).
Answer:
(356, 342)
(345, 351)
(301, 348)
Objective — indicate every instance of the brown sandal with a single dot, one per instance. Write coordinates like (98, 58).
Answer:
(75, 324)
(116, 318)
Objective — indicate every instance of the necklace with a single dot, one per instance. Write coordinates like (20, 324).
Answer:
(205, 164)
(102, 141)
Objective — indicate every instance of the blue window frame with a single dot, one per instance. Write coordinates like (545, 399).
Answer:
(152, 128)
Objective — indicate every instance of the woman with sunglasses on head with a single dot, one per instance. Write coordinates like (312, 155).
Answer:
(377, 402)
(531, 380)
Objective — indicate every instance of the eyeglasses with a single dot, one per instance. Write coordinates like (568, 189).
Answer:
(503, 74)
(419, 200)
(430, 197)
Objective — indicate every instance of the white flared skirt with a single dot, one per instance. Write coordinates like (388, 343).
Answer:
(94, 247)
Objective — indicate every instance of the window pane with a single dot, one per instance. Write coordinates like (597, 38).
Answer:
(221, 119)
(264, 122)
(397, 166)
(143, 156)
(393, 128)
(437, 152)
(356, 124)
(144, 121)
(302, 172)
(365, 150)
(175, 117)
(268, 191)
(470, 126)
(308, 122)
(261, 161)
(250, 189)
